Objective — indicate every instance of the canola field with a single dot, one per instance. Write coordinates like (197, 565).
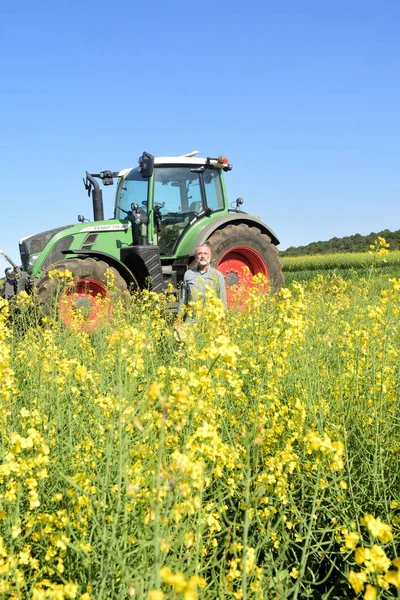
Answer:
(348, 265)
(253, 456)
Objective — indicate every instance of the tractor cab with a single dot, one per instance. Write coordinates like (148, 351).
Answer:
(170, 195)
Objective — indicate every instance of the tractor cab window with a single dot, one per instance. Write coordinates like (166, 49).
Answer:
(131, 189)
(178, 199)
(177, 190)
(213, 188)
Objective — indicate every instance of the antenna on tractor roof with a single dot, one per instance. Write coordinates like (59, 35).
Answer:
(190, 154)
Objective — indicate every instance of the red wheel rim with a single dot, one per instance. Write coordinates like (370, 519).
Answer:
(238, 266)
(85, 305)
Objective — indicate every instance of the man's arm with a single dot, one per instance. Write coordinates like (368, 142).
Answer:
(183, 296)
(222, 289)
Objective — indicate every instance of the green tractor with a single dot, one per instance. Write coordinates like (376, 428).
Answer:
(164, 209)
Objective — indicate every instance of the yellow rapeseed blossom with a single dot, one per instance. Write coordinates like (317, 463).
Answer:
(351, 539)
(357, 581)
(377, 528)
(181, 585)
(227, 454)
(157, 595)
(58, 275)
(370, 592)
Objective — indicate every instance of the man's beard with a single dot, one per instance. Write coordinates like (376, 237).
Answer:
(203, 262)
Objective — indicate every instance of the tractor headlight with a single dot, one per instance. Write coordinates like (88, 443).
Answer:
(31, 261)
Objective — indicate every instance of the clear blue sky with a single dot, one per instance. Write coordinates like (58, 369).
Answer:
(303, 96)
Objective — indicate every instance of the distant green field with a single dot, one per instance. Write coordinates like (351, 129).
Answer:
(348, 265)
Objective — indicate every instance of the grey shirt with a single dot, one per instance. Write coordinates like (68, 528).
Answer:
(195, 284)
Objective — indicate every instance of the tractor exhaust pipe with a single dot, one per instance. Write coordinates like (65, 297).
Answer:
(93, 188)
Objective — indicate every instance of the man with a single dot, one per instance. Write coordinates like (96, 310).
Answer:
(197, 280)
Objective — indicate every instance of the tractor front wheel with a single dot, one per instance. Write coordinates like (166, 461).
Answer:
(240, 252)
(78, 291)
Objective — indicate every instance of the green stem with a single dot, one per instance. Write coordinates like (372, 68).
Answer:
(305, 552)
(157, 553)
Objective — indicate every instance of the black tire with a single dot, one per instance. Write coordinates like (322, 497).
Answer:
(49, 288)
(231, 237)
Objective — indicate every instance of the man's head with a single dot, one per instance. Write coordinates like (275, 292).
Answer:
(203, 256)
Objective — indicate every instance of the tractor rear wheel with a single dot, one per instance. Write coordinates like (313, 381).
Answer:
(82, 301)
(240, 252)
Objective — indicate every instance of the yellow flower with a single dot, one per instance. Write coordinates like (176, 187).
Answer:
(57, 275)
(157, 595)
(360, 555)
(351, 539)
(189, 539)
(154, 391)
(71, 590)
(393, 577)
(357, 581)
(177, 580)
(378, 559)
(377, 528)
(180, 584)
(370, 592)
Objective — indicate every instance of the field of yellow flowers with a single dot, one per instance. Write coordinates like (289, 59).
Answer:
(257, 458)
(346, 264)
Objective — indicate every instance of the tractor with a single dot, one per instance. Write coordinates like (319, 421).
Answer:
(164, 208)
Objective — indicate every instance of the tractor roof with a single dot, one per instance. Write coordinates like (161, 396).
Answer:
(186, 159)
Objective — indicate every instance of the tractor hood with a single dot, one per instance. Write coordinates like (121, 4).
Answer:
(34, 244)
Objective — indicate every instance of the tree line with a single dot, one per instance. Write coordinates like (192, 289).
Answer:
(350, 243)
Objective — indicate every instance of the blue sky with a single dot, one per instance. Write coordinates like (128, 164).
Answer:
(303, 97)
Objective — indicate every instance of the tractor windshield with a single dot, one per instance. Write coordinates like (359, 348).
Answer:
(131, 189)
(179, 198)
(180, 194)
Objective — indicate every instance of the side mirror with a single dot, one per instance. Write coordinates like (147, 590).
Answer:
(239, 202)
(146, 165)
